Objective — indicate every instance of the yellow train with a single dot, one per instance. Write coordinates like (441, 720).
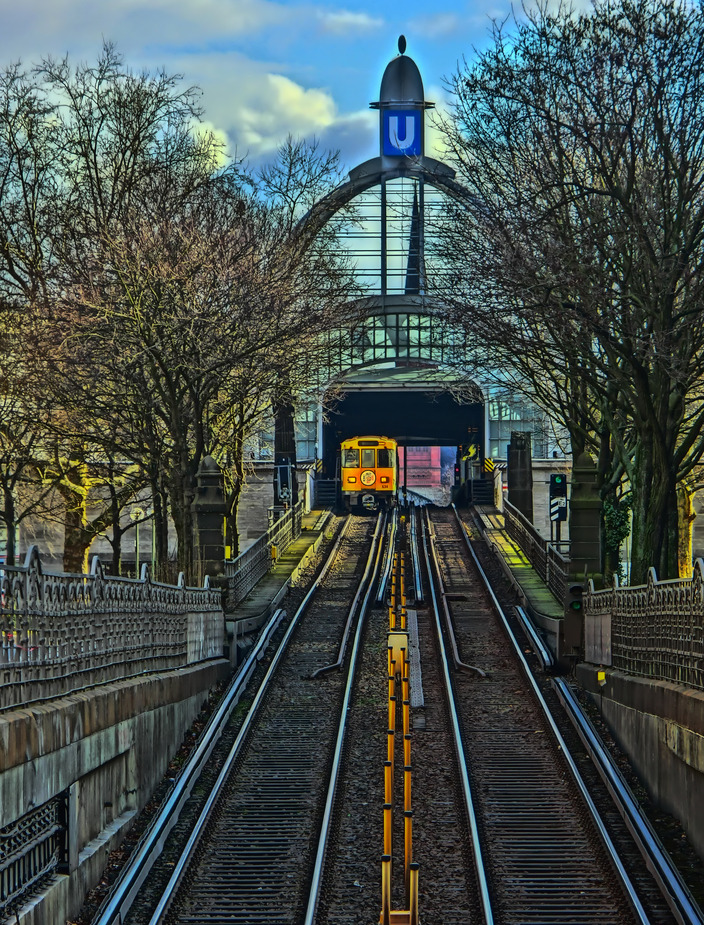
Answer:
(369, 472)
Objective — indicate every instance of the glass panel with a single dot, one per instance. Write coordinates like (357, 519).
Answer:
(350, 458)
(305, 449)
(367, 459)
(384, 458)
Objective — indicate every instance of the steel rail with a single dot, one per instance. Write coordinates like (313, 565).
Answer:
(388, 560)
(483, 884)
(544, 654)
(125, 891)
(678, 897)
(446, 610)
(350, 615)
(415, 555)
(579, 781)
(187, 853)
(135, 872)
(371, 570)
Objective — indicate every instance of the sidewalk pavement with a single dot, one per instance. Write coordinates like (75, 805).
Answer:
(270, 590)
(538, 600)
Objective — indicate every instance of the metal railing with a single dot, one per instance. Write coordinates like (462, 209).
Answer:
(63, 633)
(655, 630)
(31, 850)
(545, 558)
(247, 569)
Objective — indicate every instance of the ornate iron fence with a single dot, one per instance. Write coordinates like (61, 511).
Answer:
(31, 850)
(654, 630)
(545, 558)
(245, 571)
(62, 633)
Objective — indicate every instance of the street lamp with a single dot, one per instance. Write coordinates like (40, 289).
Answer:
(136, 515)
(150, 513)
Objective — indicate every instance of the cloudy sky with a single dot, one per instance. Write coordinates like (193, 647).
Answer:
(266, 68)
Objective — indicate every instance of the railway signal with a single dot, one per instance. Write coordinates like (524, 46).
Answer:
(557, 503)
(573, 602)
(558, 496)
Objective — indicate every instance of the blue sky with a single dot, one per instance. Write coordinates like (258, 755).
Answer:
(266, 68)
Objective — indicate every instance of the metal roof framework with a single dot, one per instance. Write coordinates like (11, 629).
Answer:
(385, 210)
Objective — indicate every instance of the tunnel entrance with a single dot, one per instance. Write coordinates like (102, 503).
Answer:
(415, 417)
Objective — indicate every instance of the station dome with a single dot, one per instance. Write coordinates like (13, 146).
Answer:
(401, 81)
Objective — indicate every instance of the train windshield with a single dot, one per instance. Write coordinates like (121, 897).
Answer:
(350, 458)
(385, 459)
(368, 459)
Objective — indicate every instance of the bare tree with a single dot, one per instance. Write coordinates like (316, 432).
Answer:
(581, 139)
(28, 202)
(173, 287)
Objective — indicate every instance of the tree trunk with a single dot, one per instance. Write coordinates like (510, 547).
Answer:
(9, 518)
(77, 538)
(117, 532)
(235, 462)
(160, 529)
(686, 515)
(655, 514)
(116, 544)
(181, 493)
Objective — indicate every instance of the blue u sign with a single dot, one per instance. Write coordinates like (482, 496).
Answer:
(402, 135)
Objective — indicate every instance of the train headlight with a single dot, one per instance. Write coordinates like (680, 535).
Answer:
(384, 479)
(351, 479)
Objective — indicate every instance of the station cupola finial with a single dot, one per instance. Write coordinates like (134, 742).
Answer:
(402, 105)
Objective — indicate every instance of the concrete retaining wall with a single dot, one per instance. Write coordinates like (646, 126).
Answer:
(109, 747)
(660, 726)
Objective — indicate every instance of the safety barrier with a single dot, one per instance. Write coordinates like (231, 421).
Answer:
(399, 683)
(245, 571)
(655, 630)
(63, 633)
(547, 561)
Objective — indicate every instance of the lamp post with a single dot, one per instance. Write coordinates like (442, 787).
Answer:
(150, 513)
(136, 515)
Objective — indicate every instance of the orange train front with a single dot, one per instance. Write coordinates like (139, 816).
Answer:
(369, 472)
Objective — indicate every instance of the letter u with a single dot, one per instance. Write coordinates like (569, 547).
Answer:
(409, 135)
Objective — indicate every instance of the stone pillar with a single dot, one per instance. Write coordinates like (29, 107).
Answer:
(520, 474)
(208, 514)
(585, 520)
(585, 550)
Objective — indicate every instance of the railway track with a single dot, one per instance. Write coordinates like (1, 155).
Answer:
(299, 833)
(538, 853)
(546, 852)
(252, 851)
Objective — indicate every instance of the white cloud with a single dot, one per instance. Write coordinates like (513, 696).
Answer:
(267, 68)
(213, 18)
(256, 107)
(355, 135)
(35, 28)
(343, 22)
(438, 26)
(279, 107)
